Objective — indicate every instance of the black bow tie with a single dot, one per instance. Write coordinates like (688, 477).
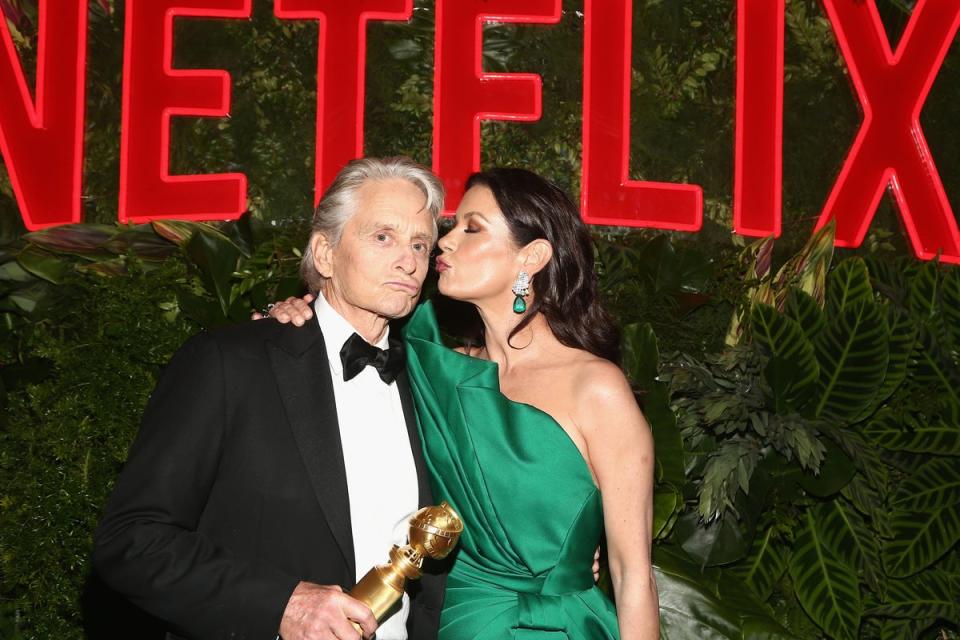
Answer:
(358, 353)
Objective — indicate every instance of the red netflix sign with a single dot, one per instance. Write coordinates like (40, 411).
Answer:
(42, 139)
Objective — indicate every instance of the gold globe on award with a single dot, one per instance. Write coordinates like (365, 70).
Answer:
(433, 533)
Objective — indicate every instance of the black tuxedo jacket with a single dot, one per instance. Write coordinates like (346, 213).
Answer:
(235, 488)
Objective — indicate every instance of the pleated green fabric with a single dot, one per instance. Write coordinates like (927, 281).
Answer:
(531, 511)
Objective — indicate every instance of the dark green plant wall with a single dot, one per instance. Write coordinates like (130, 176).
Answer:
(779, 514)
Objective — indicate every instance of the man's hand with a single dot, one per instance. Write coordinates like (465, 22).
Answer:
(323, 612)
(295, 310)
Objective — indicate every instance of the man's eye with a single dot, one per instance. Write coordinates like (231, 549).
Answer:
(382, 237)
(420, 247)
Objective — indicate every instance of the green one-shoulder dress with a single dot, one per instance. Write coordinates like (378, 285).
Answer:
(531, 511)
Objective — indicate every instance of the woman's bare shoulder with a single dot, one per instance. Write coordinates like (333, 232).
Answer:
(603, 396)
(598, 378)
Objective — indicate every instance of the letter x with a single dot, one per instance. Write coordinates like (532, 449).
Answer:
(890, 147)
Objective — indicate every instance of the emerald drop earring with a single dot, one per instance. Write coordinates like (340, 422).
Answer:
(521, 288)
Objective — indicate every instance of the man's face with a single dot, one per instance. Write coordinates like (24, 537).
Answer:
(377, 269)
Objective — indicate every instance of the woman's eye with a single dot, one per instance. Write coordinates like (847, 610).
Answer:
(471, 229)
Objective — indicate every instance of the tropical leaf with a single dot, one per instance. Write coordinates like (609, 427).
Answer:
(863, 495)
(807, 270)
(43, 264)
(848, 286)
(178, 232)
(934, 485)
(925, 595)
(658, 262)
(728, 469)
(836, 470)
(668, 443)
(908, 433)
(718, 543)
(803, 308)
(826, 586)
(709, 605)
(75, 239)
(903, 337)
(142, 241)
(903, 629)
(853, 353)
(864, 454)
(783, 339)
(950, 306)
(922, 292)
(920, 539)
(931, 369)
(667, 502)
(216, 257)
(849, 536)
(755, 260)
(618, 262)
(889, 277)
(764, 565)
(641, 357)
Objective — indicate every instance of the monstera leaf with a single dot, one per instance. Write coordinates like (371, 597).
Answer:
(853, 352)
(708, 605)
(826, 586)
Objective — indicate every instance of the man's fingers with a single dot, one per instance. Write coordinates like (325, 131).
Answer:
(361, 614)
(344, 630)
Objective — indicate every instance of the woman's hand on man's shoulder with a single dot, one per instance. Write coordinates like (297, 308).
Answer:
(295, 310)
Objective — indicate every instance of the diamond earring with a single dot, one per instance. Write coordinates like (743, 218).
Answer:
(521, 288)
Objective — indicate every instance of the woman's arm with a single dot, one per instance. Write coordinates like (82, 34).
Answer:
(620, 450)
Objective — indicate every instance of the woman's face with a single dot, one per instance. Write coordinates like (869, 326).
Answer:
(479, 259)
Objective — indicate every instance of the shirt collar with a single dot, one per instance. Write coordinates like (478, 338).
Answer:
(336, 330)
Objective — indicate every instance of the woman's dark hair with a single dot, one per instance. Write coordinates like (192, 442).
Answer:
(566, 289)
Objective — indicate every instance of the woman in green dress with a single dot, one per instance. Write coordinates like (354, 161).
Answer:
(531, 431)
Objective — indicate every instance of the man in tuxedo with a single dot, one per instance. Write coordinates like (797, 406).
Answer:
(275, 465)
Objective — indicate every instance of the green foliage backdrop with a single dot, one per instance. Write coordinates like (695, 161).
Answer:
(781, 512)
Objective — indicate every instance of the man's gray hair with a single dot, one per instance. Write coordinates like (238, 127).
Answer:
(339, 202)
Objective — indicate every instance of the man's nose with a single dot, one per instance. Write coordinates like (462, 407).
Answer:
(407, 260)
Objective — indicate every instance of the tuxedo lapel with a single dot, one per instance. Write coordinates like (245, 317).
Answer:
(303, 376)
(410, 416)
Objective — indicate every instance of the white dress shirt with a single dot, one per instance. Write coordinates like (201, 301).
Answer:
(381, 475)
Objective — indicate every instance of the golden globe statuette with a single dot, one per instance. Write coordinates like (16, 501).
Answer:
(434, 532)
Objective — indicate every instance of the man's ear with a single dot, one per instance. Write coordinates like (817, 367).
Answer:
(322, 252)
(535, 256)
